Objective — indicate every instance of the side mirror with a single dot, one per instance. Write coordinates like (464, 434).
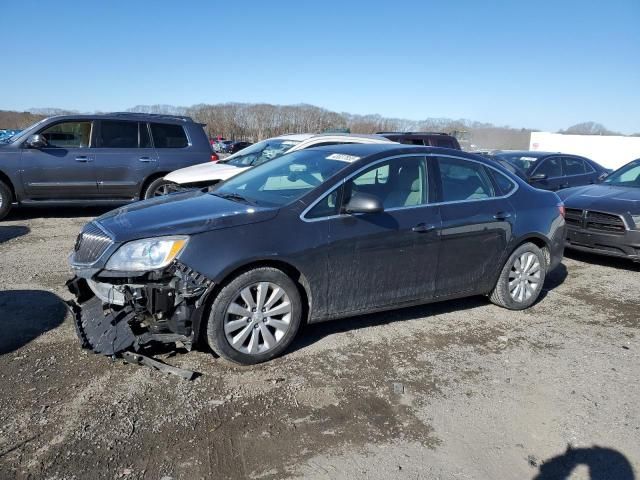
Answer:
(537, 177)
(36, 141)
(364, 203)
(602, 176)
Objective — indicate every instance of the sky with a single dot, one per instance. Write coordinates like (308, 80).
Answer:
(543, 64)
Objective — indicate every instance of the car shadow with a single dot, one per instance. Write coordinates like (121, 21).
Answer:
(27, 314)
(10, 232)
(29, 213)
(317, 331)
(603, 464)
(603, 260)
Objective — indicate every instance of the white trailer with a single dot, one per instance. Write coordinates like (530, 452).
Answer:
(609, 151)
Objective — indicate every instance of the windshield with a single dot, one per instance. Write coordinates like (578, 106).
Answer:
(627, 176)
(260, 152)
(284, 179)
(523, 162)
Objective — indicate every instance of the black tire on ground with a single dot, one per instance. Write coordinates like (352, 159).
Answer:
(501, 294)
(155, 188)
(216, 323)
(5, 200)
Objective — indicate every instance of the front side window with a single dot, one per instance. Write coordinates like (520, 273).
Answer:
(68, 135)
(464, 180)
(550, 167)
(398, 183)
(627, 176)
(284, 179)
(168, 136)
(118, 134)
(573, 166)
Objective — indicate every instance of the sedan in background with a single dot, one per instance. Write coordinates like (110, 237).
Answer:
(235, 147)
(553, 171)
(317, 234)
(605, 218)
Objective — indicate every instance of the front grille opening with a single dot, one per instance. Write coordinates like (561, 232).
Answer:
(605, 222)
(91, 244)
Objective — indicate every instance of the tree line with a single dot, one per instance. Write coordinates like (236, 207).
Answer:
(256, 121)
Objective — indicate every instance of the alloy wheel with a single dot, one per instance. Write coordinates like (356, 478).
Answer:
(258, 318)
(524, 277)
(165, 189)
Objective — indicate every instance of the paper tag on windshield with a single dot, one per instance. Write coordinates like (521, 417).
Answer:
(343, 157)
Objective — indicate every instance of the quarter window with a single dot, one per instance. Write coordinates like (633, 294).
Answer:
(463, 180)
(397, 183)
(505, 184)
(550, 167)
(68, 135)
(117, 134)
(326, 207)
(168, 136)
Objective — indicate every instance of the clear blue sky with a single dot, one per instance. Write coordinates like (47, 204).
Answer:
(542, 64)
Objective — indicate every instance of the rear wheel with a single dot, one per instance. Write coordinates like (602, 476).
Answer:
(521, 279)
(160, 187)
(255, 317)
(5, 200)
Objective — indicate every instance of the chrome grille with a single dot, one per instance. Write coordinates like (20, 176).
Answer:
(91, 244)
(605, 222)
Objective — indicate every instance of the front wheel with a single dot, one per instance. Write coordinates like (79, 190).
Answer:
(521, 279)
(5, 200)
(160, 187)
(255, 317)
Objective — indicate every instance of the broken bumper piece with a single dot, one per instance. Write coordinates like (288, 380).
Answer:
(117, 314)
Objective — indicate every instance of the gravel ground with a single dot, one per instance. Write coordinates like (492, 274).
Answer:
(457, 390)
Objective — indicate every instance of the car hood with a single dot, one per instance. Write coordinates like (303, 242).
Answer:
(204, 172)
(180, 214)
(603, 197)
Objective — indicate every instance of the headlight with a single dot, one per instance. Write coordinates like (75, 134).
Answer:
(147, 254)
(636, 220)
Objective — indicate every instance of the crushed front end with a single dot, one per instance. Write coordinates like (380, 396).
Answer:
(117, 310)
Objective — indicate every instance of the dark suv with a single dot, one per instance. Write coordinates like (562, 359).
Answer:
(429, 139)
(96, 159)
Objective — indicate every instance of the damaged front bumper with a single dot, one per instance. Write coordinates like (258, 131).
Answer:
(114, 313)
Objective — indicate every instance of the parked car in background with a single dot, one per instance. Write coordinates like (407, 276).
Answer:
(503, 163)
(237, 146)
(6, 134)
(553, 171)
(209, 174)
(429, 139)
(313, 235)
(605, 218)
(221, 145)
(97, 159)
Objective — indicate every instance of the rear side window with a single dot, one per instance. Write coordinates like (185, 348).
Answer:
(444, 142)
(411, 141)
(463, 180)
(168, 136)
(117, 134)
(573, 166)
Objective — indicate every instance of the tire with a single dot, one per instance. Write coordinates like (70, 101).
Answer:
(5, 200)
(519, 297)
(258, 337)
(160, 187)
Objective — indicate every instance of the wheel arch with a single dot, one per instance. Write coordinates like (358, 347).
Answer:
(298, 278)
(147, 181)
(4, 178)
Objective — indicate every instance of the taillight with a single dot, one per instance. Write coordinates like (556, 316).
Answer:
(561, 209)
(214, 157)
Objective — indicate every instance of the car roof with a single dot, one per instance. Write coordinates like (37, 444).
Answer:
(296, 137)
(150, 117)
(392, 148)
(525, 153)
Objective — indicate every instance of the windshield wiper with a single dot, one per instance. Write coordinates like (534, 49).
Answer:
(235, 197)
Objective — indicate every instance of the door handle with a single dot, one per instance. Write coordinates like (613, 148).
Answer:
(83, 159)
(502, 215)
(423, 228)
(146, 159)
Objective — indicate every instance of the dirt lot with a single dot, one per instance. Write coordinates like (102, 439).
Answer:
(458, 390)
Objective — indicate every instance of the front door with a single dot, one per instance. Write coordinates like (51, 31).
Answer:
(125, 158)
(382, 259)
(476, 226)
(64, 168)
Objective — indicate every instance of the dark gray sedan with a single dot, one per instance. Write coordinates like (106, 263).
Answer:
(314, 235)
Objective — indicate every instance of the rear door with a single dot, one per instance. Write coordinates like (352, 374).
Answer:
(125, 158)
(477, 222)
(577, 172)
(64, 169)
